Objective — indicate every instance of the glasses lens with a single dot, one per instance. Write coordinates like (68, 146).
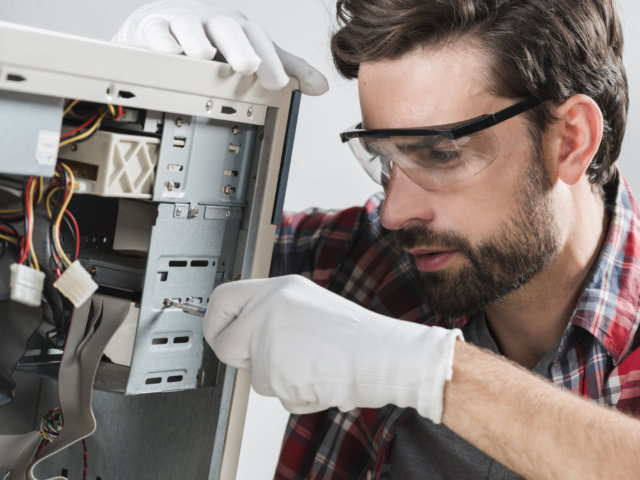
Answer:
(431, 161)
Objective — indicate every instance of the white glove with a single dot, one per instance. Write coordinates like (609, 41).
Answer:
(198, 30)
(314, 349)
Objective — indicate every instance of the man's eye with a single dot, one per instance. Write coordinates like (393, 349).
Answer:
(443, 156)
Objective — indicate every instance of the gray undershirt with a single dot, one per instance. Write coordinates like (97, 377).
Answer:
(425, 450)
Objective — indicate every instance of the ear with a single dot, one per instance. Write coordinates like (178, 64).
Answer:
(580, 127)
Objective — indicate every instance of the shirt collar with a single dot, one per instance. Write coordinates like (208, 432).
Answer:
(608, 306)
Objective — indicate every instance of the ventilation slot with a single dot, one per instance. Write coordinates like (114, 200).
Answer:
(178, 263)
(13, 77)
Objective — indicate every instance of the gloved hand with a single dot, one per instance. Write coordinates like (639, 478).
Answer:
(314, 349)
(199, 30)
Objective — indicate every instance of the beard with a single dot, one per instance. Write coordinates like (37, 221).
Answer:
(522, 246)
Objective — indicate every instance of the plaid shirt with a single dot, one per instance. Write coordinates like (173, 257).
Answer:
(349, 253)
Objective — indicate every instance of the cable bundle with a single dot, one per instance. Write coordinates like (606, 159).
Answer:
(59, 195)
(51, 426)
(89, 126)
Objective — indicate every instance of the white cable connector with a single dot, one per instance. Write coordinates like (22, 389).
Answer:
(26, 285)
(76, 284)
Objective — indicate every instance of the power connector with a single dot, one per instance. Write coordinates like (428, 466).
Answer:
(26, 285)
(76, 284)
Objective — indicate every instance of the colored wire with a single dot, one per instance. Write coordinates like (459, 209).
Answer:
(65, 204)
(32, 251)
(8, 239)
(84, 459)
(40, 190)
(9, 230)
(69, 107)
(79, 128)
(70, 220)
(50, 428)
(119, 114)
(85, 134)
(24, 244)
(113, 112)
(49, 201)
(23, 251)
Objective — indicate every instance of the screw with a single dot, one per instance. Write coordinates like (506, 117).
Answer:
(92, 270)
(179, 122)
(170, 185)
(250, 111)
(74, 147)
(208, 106)
(235, 130)
(193, 212)
(227, 214)
(228, 190)
(178, 212)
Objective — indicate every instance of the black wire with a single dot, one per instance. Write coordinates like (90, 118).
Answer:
(73, 232)
(14, 232)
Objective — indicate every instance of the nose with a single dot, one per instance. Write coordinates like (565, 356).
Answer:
(405, 203)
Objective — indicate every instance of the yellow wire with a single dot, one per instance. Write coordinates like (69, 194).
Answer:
(56, 237)
(32, 251)
(112, 109)
(84, 134)
(8, 239)
(48, 200)
(69, 107)
(40, 190)
(12, 210)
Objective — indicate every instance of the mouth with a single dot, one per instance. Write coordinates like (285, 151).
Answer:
(431, 260)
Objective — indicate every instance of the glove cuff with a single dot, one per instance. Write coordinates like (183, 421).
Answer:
(405, 364)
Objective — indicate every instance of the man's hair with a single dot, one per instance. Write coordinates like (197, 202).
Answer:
(549, 49)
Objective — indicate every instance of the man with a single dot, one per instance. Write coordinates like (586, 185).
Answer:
(513, 227)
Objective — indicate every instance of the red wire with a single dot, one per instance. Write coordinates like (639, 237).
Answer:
(75, 227)
(77, 129)
(117, 117)
(23, 250)
(7, 230)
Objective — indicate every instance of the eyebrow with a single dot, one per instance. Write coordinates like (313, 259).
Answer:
(419, 142)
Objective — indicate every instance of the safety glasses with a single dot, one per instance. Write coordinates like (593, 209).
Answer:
(432, 157)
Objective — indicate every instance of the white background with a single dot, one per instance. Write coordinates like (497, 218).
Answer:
(322, 172)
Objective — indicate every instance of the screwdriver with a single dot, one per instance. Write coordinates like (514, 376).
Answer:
(190, 308)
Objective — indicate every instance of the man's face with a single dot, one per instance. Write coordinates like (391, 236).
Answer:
(475, 241)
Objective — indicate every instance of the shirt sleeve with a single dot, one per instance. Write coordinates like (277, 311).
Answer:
(314, 243)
